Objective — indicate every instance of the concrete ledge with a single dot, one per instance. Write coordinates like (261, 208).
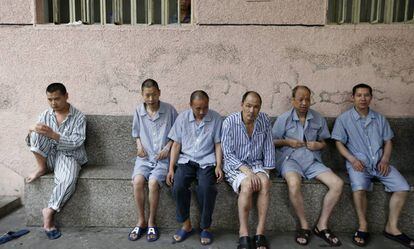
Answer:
(8, 204)
(109, 142)
(104, 198)
(104, 192)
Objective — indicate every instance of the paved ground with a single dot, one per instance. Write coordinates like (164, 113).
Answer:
(114, 238)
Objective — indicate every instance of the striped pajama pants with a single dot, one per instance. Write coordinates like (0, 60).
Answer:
(64, 166)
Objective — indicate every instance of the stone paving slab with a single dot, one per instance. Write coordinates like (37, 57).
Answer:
(114, 238)
(8, 204)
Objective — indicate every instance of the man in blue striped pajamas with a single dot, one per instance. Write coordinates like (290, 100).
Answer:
(249, 154)
(197, 152)
(363, 137)
(151, 124)
(57, 145)
(299, 136)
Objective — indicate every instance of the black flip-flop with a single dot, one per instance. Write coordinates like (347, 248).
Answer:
(303, 234)
(244, 243)
(362, 235)
(327, 236)
(260, 240)
(402, 238)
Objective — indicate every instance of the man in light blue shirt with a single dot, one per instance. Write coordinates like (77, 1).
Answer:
(197, 152)
(249, 154)
(364, 139)
(299, 136)
(152, 121)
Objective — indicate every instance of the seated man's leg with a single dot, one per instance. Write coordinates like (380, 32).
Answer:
(262, 202)
(245, 205)
(66, 173)
(335, 185)
(41, 147)
(139, 194)
(206, 195)
(183, 177)
(396, 183)
(360, 184)
(294, 182)
(156, 180)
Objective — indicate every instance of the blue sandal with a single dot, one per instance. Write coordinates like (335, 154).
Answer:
(53, 234)
(183, 235)
(152, 234)
(206, 235)
(136, 233)
(12, 235)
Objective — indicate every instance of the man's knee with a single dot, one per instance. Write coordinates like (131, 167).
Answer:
(294, 184)
(206, 187)
(138, 182)
(153, 185)
(179, 187)
(264, 183)
(246, 188)
(336, 185)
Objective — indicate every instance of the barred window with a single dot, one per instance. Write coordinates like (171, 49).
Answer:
(370, 11)
(117, 11)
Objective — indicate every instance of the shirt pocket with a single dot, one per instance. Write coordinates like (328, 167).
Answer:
(291, 131)
(312, 132)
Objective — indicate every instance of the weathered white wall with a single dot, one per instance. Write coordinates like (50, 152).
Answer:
(307, 12)
(17, 11)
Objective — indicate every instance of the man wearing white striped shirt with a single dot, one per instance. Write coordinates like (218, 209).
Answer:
(248, 156)
(57, 143)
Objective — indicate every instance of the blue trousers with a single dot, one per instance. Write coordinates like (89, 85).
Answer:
(206, 190)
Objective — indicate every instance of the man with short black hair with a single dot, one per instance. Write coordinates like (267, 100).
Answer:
(363, 137)
(248, 156)
(197, 152)
(151, 124)
(57, 143)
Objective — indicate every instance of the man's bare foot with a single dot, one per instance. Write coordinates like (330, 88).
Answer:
(48, 219)
(38, 173)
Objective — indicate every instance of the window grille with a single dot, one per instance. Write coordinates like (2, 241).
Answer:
(119, 12)
(370, 11)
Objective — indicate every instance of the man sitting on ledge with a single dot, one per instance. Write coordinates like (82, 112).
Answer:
(57, 145)
(299, 136)
(249, 154)
(364, 139)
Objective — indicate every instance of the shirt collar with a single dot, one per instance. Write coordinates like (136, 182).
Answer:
(295, 116)
(239, 119)
(142, 111)
(207, 117)
(356, 115)
(70, 113)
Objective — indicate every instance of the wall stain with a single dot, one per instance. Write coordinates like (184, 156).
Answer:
(383, 53)
(229, 81)
(7, 93)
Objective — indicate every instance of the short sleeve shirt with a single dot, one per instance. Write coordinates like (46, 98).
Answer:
(197, 140)
(288, 126)
(153, 131)
(364, 137)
